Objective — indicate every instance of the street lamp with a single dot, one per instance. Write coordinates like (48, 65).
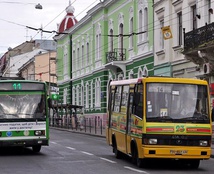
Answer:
(38, 6)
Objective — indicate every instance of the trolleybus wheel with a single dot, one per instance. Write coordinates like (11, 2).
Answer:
(36, 148)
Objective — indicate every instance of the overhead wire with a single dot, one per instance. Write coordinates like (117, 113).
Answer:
(50, 22)
(137, 29)
(126, 35)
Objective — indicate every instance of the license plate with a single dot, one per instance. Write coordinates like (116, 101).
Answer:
(178, 152)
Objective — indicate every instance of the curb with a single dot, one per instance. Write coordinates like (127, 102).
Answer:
(76, 131)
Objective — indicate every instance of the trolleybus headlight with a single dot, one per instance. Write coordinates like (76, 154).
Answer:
(203, 143)
(153, 141)
(38, 132)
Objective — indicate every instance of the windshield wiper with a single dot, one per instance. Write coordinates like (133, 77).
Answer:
(25, 114)
(161, 118)
(197, 117)
(14, 115)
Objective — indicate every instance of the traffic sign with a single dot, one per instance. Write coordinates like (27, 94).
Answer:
(55, 96)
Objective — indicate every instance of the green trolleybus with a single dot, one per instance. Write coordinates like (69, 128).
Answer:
(23, 114)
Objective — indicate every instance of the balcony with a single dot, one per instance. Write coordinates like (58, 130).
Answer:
(116, 59)
(199, 38)
(199, 44)
(118, 54)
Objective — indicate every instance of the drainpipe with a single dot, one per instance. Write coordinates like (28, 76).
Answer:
(71, 68)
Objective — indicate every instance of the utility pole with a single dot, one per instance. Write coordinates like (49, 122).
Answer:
(51, 60)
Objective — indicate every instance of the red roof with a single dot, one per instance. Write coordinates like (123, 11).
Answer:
(68, 21)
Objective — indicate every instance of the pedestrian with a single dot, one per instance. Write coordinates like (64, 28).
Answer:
(74, 120)
(81, 120)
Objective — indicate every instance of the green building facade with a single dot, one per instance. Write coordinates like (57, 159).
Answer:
(113, 41)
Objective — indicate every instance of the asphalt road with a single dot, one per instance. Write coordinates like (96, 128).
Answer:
(74, 153)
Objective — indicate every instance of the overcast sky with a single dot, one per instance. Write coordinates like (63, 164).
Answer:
(15, 15)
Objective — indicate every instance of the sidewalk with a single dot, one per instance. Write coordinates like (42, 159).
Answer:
(102, 133)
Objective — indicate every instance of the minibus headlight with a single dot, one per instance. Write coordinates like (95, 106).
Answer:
(38, 132)
(153, 141)
(203, 143)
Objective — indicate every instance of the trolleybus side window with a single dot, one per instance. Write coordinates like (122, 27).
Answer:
(111, 102)
(124, 102)
(138, 101)
(117, 99)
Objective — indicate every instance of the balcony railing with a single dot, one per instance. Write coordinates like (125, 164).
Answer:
(118, 54)
(198, 37)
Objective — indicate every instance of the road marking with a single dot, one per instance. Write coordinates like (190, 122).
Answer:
(87, 153)
(53, 142)
(136, 170)
(105, 159)
(71, 148)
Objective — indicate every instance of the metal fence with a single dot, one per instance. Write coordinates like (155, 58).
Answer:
(88, 125)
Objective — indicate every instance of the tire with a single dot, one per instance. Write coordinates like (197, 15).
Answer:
(116, 152)
(36, 148)
(194, 164)
(136, 160)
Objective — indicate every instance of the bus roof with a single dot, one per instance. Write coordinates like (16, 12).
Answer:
(160, 79)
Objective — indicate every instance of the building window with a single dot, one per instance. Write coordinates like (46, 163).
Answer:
(97, 93)
(131, 74)
(111, 41)
(161, 35)
(194, 19)
(98, 42)
(65, 93)
(73, 96)
(78, 95)
(73, 61)
(180, 29)
(92, 97)
(121, 41)
(82, 96)
(208, 13)
(98, 46)
(83, 56)
(78, 58)
(131, 30)
(140, 26)
(140, 73)
(87, 95)
(146, 24)
(87, 53)
(65, 60)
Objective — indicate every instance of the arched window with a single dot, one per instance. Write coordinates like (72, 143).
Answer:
(73, 96)
(97, 93)
(82, 95)
(140, 73)
(78, 59)
(131, 30)
(78, 95)
(65, 62)
(98, 42)
(111, 41)
(65, 93)
(92, 94)
(87, 95)
(83, 55)
(131, 74)
(140, 23)
(146, 27)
